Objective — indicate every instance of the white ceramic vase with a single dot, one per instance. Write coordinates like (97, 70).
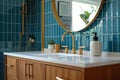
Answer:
(50, 48)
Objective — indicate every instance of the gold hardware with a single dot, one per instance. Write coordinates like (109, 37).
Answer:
(31, 71)
(80, 51)
(66, 49)
(26, 70)
(73, 43)
(57, 48)
(58, 78)
(23, 13)
(9, 65)
(42, 29)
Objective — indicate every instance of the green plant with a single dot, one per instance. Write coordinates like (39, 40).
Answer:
(51, 42)
(85, 16)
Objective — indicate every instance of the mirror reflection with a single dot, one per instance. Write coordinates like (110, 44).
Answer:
(76, 15)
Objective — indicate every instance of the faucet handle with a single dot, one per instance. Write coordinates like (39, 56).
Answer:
(66, 49)
(73, 51)
(81, 49)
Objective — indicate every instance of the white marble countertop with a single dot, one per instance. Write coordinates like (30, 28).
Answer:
(83, 61)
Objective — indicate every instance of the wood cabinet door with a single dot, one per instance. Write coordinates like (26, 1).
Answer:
(22, 71)
(59, 73)
(29, 70)
(38, 71)
(11, 71)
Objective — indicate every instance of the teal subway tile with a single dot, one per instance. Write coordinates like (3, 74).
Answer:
(104, 26)
(1, 18)
(1, 65)
(110, 43)
(118, 7)
(2, 75)
(115, 43)
(115, 28)
(119, 43)
(104, 11)
(110, 25)
(1, 8)
(105, 43)
(118, 24)
(1, 1)
(1, 27)
(100, 26)
(1, 35)
(114, 7)
(109, 9)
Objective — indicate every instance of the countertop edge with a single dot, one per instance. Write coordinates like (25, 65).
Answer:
(82, 65)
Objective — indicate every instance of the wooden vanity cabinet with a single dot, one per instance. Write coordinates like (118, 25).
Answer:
(11, 68)
(62, 73)
(30, 70)
(26, 69)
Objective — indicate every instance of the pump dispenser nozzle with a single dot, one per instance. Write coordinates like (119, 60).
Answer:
(95, 38)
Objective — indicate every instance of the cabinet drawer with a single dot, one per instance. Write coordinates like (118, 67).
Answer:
(59, 73)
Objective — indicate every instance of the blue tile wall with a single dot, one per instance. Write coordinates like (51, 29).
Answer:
(107, 25)
(11, 25)
(34, 20)
(1, 66)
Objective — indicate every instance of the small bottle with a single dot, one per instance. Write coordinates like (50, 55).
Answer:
(95, 46)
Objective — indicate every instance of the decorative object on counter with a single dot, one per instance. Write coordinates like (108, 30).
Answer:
(66, 49)
(80, 51)
(51, 45)
(57, 48)
(31, 41)
(95, 46)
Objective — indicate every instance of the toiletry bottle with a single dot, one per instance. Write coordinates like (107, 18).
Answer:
(95, 46)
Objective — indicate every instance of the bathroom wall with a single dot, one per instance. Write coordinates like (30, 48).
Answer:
(2, 76)
(11, 25)
(107, 26)
(34, 23)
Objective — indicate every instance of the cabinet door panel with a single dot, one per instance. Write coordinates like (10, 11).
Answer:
(11, 65)
(53, 72)
(38, 71)
(11, 71)
(22, 70)
(29, 70)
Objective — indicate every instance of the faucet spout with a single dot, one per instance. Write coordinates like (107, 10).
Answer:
(73, 43)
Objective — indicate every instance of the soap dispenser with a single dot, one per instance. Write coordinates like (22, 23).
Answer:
(95, 46)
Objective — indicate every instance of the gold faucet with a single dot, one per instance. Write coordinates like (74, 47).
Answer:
(73, 43)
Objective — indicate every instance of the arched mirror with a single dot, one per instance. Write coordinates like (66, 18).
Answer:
(76, 15)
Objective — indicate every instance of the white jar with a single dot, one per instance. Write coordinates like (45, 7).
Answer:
(95, 48)
(50, 48)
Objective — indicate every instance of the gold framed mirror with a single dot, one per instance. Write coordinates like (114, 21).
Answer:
(76, 15)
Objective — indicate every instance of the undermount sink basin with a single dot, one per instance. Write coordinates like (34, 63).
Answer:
(62, 56)
(53, 54)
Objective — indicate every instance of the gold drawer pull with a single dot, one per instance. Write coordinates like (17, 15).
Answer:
(9, 65)
(58, 78)
(26, 70)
